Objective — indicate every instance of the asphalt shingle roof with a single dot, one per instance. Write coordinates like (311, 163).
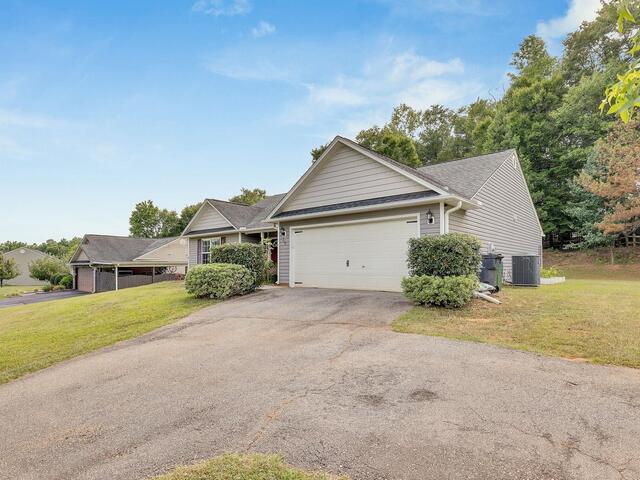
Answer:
(114, 249)
(245, 216)
(467, 175)
(463, 177)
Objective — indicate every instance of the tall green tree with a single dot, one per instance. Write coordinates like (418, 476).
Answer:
(249, 196)
(623, 97)
(186, 214)
(145, 220)
(317, 152)
(391, 143)
(8, 269)
(523, 119)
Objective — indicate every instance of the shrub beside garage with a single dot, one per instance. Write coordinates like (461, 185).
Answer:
(250, 255)
(443, 269)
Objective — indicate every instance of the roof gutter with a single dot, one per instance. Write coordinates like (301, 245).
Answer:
(469, 205)
(448, 213)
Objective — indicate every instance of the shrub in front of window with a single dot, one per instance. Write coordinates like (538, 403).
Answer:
(450, 292)
(444, 255)
(250, 255)
(219, 280)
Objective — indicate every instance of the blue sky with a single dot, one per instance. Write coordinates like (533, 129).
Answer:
(104, 104)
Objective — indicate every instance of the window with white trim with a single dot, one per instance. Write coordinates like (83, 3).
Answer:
(207, 245)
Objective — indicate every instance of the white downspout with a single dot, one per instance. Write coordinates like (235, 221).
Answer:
(449, 212)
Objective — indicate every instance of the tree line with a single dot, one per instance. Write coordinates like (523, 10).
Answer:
(551, 114)
(62, 249)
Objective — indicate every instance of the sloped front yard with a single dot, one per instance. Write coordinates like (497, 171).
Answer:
(593, 320)
(38, 335)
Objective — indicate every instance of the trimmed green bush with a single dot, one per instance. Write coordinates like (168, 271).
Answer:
(449, 292)
(444, 255)
(219, 280)
(66, 281)
(250, 255)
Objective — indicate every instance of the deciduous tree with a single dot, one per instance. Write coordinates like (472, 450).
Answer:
(249, 196)
(616, 179)
(45, 268)
(8, 269)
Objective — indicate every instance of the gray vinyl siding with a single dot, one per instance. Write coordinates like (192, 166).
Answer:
(193, 245)
(209, 217)
(283, 255)
(433, 228)
(425, 229)
(193, 251)
(349, 176)
(507, 217)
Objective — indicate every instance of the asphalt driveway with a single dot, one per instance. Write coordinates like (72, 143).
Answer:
(317, 376)
(38, 297)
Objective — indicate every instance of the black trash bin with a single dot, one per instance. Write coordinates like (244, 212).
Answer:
(491, 271)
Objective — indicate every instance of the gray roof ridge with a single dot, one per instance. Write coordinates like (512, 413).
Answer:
(470, 157)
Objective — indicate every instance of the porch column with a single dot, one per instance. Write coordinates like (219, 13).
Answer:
(153, 274)
(95, 278)
(442, 226)
(116, 277)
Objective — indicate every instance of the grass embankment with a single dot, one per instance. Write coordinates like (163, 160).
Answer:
(244, 467)
(38, 335)
(11, 290)
(594, 317)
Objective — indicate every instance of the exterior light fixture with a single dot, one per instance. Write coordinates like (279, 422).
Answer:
(283, 232)
(430, 217)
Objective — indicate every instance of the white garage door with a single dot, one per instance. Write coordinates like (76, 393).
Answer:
(362, 256)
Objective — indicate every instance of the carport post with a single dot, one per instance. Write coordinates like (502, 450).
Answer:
(116, 277)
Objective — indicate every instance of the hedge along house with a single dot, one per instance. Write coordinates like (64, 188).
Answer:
(347, 220)
(107, 262)
(218, 222)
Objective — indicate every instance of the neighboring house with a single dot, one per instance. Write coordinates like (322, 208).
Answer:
(108, 262)
(23, 257)
(218, 222)
(346, 222)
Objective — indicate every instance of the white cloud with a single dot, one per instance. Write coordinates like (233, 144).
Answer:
(262, 69)
(579, 11)
(422, 7)
(27, 120)
(219, 8)
(263, 29)
(357, 101)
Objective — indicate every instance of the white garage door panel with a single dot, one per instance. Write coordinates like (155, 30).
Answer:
(376, 251)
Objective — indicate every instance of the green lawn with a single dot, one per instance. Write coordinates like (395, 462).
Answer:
(244, 467)
(592, 320)
(11, 290)
(41, 334)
